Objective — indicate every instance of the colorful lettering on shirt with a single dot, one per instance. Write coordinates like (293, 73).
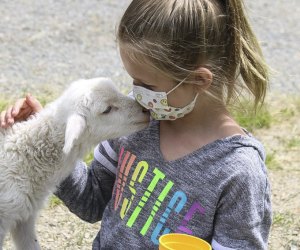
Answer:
(156, 206)
(157, 177)
(196, 207)
(179, 197)
(123, 174)
(139, 172)
(176, 204)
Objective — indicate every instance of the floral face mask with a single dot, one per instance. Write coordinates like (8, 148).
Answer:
(157, 103)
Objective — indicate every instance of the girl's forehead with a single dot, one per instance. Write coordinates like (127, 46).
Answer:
(136, 69)
(141, 70)
(134, 58)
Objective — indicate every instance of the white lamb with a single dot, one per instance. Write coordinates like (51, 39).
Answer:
(36, 155)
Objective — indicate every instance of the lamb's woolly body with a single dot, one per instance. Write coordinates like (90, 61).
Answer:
(34, 149)
(36, 160)
(32, 158)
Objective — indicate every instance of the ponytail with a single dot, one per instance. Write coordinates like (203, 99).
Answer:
(245, 55)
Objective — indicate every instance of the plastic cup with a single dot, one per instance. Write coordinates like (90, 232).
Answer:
(175, 241)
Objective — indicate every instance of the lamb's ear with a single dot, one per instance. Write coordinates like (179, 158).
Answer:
(75, 126)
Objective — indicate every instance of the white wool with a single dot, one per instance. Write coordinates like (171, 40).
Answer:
(36, 155)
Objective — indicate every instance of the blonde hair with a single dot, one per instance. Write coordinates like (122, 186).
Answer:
(178, 36)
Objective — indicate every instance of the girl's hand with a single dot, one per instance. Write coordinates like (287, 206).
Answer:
(20, 111)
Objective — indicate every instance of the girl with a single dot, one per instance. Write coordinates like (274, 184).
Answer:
(194, 170)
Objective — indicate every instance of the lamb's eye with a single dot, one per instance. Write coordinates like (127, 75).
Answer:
(107, 110)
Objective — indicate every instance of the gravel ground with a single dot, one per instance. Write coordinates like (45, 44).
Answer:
(277, 26)
(51, 43)
(47, 44)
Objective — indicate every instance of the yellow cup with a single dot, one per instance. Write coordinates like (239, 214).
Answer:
(175, 241)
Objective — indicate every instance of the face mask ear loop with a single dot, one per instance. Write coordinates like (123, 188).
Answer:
(175, 86)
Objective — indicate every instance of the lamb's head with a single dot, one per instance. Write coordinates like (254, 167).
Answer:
(94, 110)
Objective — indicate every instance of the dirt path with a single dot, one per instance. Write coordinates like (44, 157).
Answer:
(282, 142)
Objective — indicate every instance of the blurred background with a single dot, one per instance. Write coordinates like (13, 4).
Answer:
(53, 42)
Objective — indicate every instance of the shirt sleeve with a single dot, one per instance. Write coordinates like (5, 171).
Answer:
(243, 217)
(87, 190)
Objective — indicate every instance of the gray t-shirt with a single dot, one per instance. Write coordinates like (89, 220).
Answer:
(219, 193)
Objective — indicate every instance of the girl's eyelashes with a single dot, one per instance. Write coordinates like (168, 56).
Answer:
(146, 86)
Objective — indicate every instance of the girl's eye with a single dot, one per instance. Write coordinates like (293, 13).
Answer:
(146, 86)
(107, 110)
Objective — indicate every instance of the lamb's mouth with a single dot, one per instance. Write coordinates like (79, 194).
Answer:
(142, 122)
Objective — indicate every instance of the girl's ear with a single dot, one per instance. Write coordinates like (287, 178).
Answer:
(203, 78)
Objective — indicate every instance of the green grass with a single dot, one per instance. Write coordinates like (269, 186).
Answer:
(293, 143)
(89, 158)
(282, 219)
(297, 104)
(289, 108)
(80, 237)
(287, 113)
(271, 161)
(45, 99)
(3, 103)
(250, 120)
(54, 201)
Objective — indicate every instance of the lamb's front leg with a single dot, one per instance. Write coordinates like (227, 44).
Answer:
(3, 231)
(24, 235)
(1, 240)
(2, 235)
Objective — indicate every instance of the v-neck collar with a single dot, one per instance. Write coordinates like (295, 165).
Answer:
(207, 148)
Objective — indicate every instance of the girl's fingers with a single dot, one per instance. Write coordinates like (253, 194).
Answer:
(8, 117)
(33, 103)
(21, 111)
(21, 103)
(23, 114)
